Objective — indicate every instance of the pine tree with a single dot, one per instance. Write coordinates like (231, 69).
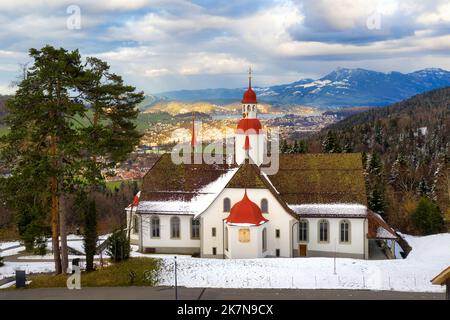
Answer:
(295, 148)
(64, 115)
(424, 190)
(284, 147)
(427, 218)
(376, 200)
(118, 247)
(331, 143)
(303, 147)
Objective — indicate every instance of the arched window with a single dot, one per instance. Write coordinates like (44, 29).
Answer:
(135, 224)
(195, 228)
(344, 227)
(175, 227)
(303, 230)
(264, 206)
(323, 231)
(226, 238)
(154, 227)
(226, 205)
(264, 240)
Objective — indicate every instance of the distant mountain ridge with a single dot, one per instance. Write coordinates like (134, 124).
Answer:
(340, 88)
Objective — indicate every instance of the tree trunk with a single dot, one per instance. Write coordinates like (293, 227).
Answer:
(55, 225)
(63, 231)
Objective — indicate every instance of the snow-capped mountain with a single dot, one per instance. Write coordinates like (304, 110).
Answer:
(340, 88)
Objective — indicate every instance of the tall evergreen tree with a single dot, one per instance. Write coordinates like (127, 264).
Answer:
(64, 116)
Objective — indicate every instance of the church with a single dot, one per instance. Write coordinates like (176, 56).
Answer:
(314, 206)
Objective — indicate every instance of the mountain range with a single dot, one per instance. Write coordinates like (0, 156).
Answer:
(340, 88)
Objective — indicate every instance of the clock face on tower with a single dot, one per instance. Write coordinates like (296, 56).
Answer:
(244, 115)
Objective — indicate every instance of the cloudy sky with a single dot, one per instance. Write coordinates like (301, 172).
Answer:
(160, 45)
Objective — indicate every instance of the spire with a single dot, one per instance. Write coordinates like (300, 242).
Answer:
(249, 77)
(193, 139)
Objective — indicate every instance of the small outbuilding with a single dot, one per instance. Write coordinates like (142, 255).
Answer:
(443, 278)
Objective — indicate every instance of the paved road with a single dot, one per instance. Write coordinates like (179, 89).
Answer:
(166, 293)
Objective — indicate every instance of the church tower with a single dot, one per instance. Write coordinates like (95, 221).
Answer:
(249, 137)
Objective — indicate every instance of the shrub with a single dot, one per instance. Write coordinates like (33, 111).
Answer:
(118, 247)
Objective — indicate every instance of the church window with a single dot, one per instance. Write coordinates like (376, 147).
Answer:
(226, 238)
(213, 232)
(175, 227)
(226, 205)
(277, 233)
(154, 227)
(344, 231)
(323, 231)
(303, 231)
(264, 206)
(135, 224)
(214, 251)
(195, 228)
(264, 240)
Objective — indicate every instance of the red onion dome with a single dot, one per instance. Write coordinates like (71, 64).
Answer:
(246, 212)
(249, 96)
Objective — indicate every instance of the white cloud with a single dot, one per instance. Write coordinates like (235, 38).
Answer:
(173, 44)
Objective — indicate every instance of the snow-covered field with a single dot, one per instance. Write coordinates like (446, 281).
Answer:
(429, 256)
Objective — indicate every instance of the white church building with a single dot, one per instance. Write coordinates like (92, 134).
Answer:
(315, 205)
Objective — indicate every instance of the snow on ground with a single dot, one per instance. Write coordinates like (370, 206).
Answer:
(429, 256)
(8, 244)
(9, 269)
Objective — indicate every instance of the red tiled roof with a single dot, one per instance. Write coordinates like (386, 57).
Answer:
(249, 126)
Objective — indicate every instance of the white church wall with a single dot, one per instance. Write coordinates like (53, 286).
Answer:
(134, 235)
(278, 219)
(165, 243)
(357, 247)
(257, 147)
(245, 250)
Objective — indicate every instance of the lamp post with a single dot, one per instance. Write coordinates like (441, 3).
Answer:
(176, 280)
(292, 237)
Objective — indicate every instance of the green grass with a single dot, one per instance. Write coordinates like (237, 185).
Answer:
(133, 272)
(112, 185)
(3, 130)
